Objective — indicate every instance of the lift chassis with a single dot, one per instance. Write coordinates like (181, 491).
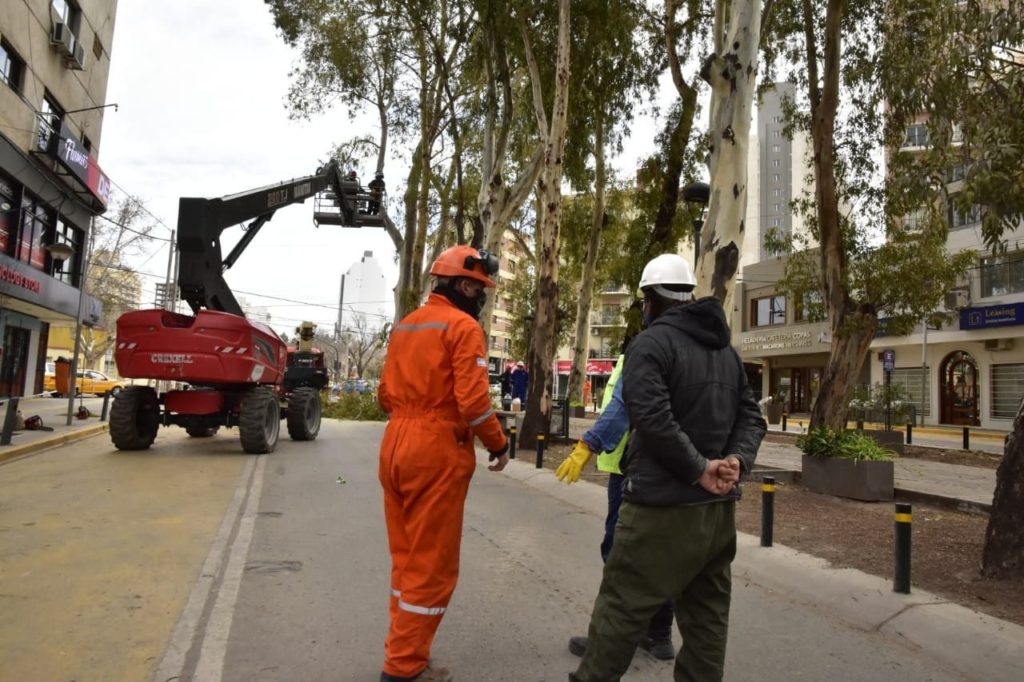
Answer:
(234, 372)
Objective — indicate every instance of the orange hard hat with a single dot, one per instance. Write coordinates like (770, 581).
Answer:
(465, 261)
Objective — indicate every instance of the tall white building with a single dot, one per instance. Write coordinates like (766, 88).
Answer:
(364, 296)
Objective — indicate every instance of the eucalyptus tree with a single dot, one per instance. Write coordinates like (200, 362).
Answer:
(395, 57)
(619, 58)
(960, 72)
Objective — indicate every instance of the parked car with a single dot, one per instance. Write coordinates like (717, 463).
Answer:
(89, 381)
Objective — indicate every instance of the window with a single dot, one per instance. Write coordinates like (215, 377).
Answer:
(777, 177)
(9, 200)
(67, 13)
(959, 219)
(12, 68)
(50, 116)
(776, 162)
(1001, 275)
(957, 172)
(1007, 388)
(775, 222)
(776, 148)
(768, 311)
(777, 207)
(776, 133)
(911, 378)
(68, 271)
(917, 135)
(776, 119)
(916, 221)
(37, 221)
(805, 305)
(777, 192)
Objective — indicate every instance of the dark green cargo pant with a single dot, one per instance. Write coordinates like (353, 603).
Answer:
(679, 553)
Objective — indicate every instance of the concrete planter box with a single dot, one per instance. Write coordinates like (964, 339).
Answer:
(773, 411)
(868, 481)
(578, 411)
(890, 440)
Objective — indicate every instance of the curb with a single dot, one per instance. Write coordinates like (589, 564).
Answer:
(16, 451)
(972, 643)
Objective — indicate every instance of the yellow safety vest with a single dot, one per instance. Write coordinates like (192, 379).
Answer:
(609, 461)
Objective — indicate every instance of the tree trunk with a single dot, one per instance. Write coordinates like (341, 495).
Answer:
(732, 73)
(1003, 556)
(542, 342)
(578, 374)
(843, 367)
(405, 301)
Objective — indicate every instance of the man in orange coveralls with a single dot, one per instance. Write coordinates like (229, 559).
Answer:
(436, 390)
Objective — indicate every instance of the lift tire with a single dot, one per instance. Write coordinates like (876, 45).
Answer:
(304, 414)
(195, 429)
(134, 418)
(259, 421)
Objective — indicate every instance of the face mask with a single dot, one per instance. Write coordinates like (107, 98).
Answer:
(470, 306)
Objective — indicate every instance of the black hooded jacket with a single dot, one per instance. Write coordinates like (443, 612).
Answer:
(689, 402)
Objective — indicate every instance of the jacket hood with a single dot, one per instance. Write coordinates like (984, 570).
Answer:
(703, 320)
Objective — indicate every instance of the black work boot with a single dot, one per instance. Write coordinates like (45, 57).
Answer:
(429, 674)
(661, 648)
(578, 646)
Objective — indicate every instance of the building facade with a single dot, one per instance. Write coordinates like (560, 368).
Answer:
(364, 302)
(54, 64)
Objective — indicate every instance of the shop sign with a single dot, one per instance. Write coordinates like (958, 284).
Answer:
(73, 155)
(777, 341)
(19, 279)
(594, 367)
(1006, 315)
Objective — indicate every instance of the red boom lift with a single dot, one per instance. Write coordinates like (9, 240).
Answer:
(238, 373)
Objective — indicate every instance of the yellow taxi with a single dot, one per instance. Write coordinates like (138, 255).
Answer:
(89, 381)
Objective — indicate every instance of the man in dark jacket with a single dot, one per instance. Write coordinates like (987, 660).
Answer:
(696, 428)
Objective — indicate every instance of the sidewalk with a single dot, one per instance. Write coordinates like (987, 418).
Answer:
(54, 413)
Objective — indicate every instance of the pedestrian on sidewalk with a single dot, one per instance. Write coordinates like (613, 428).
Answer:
(608, 437)
(436, 389)
(696, 428)
(520, 382)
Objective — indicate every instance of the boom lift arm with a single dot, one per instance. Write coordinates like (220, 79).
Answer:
(201, 221)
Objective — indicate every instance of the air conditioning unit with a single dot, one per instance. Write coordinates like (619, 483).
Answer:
(957, 299)
(999, 344)
(77, 60)
(64, 39)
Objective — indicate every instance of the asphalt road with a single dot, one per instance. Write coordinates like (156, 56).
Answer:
(196, 562)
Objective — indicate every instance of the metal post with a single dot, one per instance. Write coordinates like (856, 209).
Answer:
(967, 438)
(767, 510)
(106, 404)
(565, 417)
(10, 421)
(784, 417)
(540, 450)
(901, 575)
(860, 424)
(910, 432)
(82, 279)
(512, 439)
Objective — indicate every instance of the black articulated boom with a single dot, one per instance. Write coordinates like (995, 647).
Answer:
(200, 223)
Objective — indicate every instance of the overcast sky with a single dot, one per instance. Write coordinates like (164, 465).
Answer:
(200, 86)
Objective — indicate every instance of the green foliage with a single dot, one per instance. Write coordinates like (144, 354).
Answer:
(825, 443)
(354, 406)
(870, 402)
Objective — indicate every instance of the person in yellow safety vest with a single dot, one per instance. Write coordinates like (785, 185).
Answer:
(608, 437)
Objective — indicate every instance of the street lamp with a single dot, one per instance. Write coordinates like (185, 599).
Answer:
(697, 193)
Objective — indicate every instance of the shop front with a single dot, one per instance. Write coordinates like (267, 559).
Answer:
(790, 363)
(598, 372)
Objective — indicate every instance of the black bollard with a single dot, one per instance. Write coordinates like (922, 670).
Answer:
(910, 432)
(967, 438)
(540, 450)
(10, 421)
(860, 424)
(106, 405)
(512, 441)
(767, 510)
(901, 576)
(784, 417)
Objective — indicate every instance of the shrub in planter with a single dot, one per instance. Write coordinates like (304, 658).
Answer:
(846, 464)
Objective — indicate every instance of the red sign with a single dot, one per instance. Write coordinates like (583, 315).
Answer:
(594, 367)
(14, 277)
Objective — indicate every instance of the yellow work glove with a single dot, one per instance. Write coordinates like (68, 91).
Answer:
(570, 470)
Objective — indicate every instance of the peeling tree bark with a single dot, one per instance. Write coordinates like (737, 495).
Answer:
(732, 73)
(1003, 556)
(542, 342)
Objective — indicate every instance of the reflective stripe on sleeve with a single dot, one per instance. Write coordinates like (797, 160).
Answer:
(422, 610)
(396, 593)
(482, 418)
(421, 326)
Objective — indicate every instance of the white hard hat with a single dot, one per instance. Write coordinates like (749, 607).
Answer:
(668, 269)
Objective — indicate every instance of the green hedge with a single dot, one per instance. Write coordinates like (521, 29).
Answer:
(354, 406)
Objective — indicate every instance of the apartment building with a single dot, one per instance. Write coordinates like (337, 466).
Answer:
(965, 366)
(512, 264)
(54, 64)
